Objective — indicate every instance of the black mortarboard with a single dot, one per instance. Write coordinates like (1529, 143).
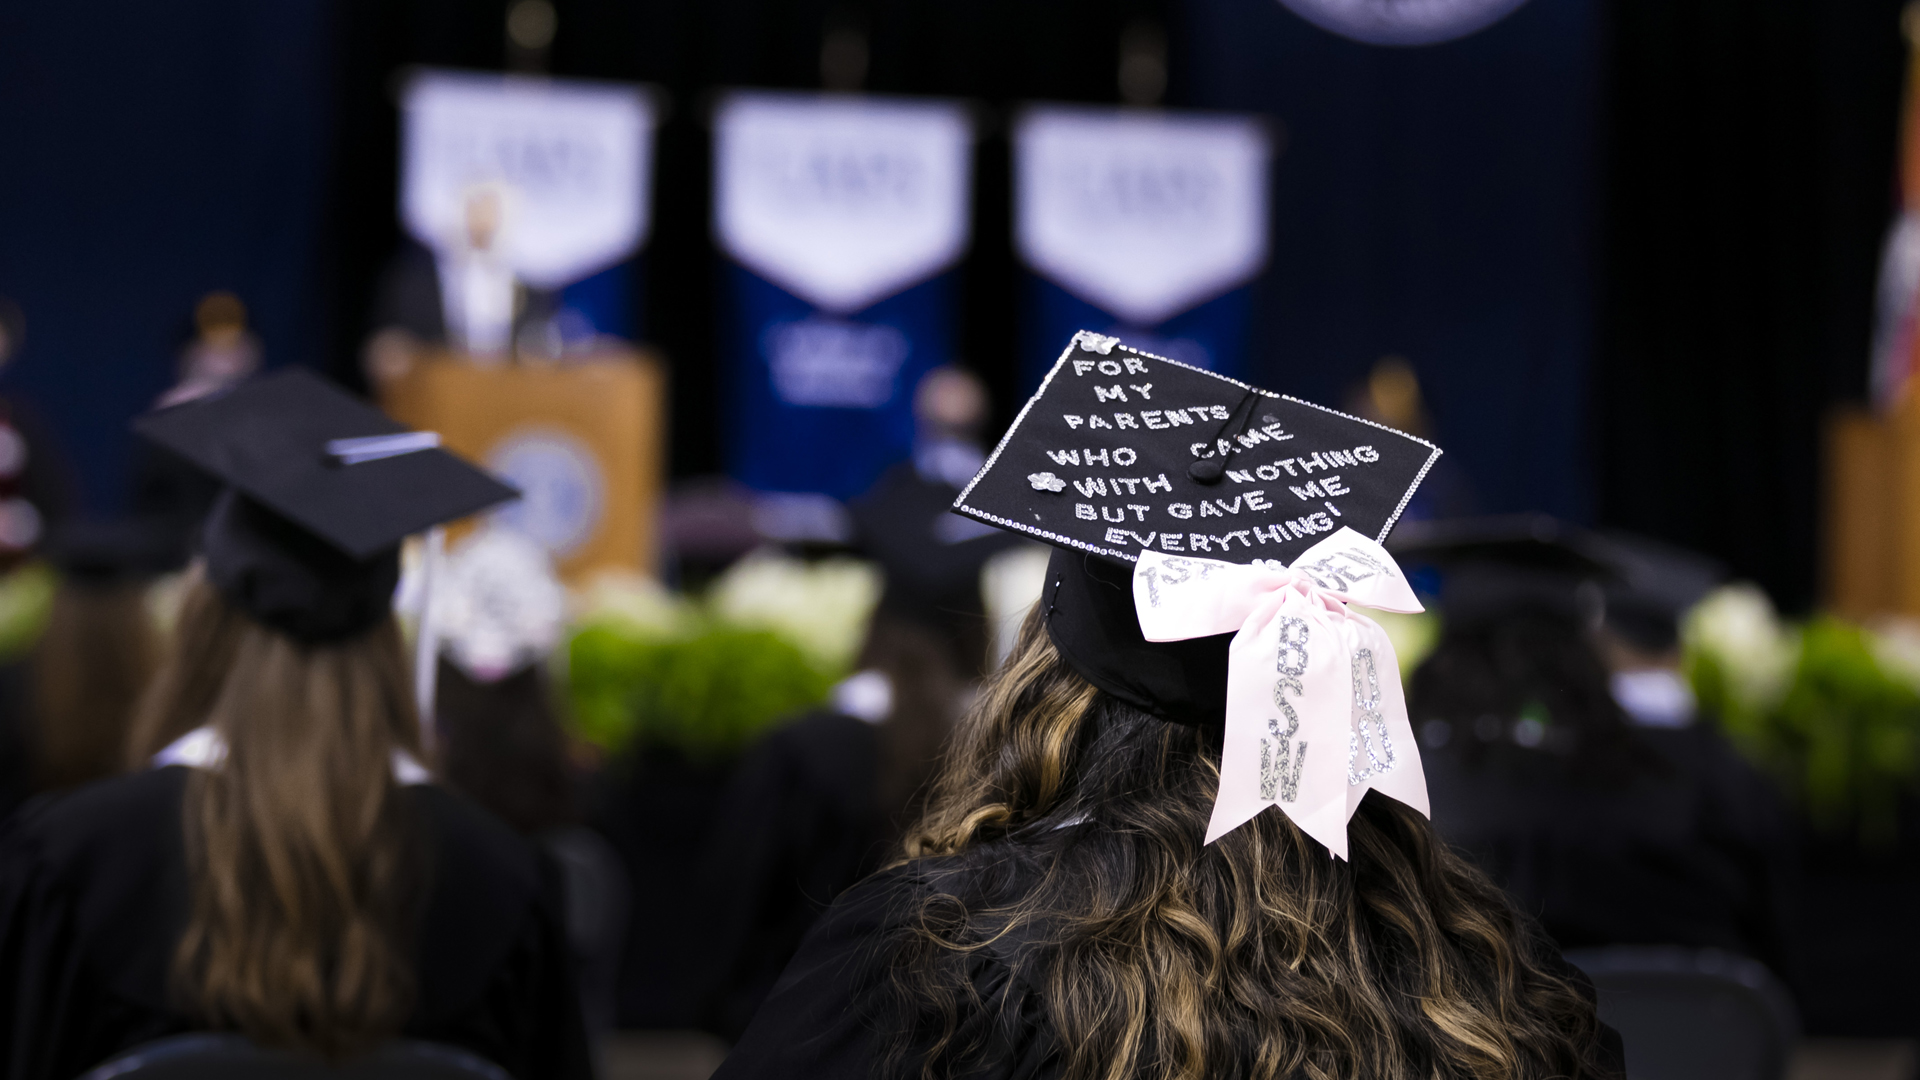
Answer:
(1497, 565)
(1121, 451)
(110, 552)
(321, 489)
(1654, 585)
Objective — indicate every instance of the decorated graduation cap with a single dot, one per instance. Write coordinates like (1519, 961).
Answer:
(1210, 538)
(320, 490)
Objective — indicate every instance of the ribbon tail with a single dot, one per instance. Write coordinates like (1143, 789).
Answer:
(1247, 753)
(1300, 663)
(1389, 728)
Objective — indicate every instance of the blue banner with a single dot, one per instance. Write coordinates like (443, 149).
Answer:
(842, 216)
(605, 304)
(1212, 335)
(823, 403)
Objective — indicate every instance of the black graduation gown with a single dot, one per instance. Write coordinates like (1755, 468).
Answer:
(833, 1015)
(800, 823)
(94, 896)
(1693, 849)
(17, 738)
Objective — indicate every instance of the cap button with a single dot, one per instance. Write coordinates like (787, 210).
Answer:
(1206, 471)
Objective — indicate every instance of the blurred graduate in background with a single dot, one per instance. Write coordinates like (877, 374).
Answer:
(1563, 751)
(97, 651)
(821, 801)
(500, 611)
(281, 864)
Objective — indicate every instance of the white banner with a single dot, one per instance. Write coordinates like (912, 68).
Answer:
(548, 176)
(1143, 214)
(842, 201)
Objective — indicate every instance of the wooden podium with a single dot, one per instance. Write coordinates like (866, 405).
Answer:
(584, 440)
(1873, 512)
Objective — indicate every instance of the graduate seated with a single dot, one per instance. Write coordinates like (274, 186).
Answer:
(1181, 831)
(499, 612)
(1564, 755)
(282, 865)
(819, 803)
(97, 651)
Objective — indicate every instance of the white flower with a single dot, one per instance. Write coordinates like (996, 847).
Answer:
(1737, 626)
(1896, 645)
(1046, 481)
(822, 606)
(499, 605)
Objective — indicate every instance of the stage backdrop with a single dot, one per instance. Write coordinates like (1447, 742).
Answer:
(842, 216)
(154, 153)
(1435, 202)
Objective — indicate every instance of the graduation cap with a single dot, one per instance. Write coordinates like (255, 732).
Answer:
(1208, 536)
(1654, 584)
(1494, 566)
(110, 552)
(1122, 452)
(320, 490)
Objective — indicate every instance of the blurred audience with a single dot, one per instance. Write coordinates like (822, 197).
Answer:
(1615, 826)
(36, 481)
(97, 652)
(168, 491)
(222, 353)
(501, 610)
(931, 556)
(1391, 395)
(819, 804)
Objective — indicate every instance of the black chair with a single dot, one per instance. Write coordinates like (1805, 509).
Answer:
(1693, 1014)
(233, 1057)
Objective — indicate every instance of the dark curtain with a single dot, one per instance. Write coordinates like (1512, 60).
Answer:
(1750, 181)
(1437, 203)
(150, 154)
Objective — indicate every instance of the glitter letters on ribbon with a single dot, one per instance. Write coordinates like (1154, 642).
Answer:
(1315, 713)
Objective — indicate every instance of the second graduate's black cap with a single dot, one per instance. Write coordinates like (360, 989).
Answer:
(1121, 452)
(1499, 565)
(321, 489)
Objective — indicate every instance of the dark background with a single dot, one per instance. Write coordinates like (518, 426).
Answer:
(1629, 245)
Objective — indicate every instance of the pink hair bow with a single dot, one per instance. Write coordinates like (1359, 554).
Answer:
(1315, 713)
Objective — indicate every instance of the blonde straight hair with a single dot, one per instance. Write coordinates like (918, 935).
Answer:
(299, 853)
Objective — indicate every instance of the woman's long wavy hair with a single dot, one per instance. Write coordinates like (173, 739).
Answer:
(1072, 822)
(299, 852)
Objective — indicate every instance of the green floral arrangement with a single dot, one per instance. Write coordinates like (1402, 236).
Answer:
(1830, 708)
(26, 600)
(708, 694)
(709, 675)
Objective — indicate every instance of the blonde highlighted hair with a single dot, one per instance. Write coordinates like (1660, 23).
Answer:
(1072, 823)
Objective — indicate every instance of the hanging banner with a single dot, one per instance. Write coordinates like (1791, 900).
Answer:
(1146, 225)
(546, 177)
(843, 216)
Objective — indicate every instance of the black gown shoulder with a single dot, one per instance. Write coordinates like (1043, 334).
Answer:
(834, 1013)
(1693, 849)
(799, 825)
(94, 896)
